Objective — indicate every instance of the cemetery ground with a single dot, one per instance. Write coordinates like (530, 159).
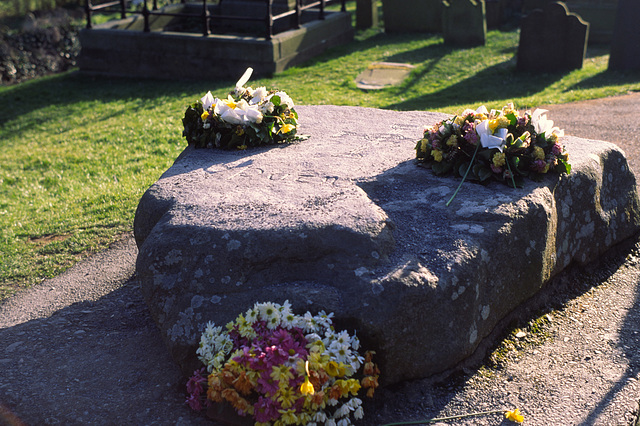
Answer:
(79, 151)
(81, 348)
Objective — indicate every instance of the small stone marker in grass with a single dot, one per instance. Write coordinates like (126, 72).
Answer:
(552, 39)
(380, 75)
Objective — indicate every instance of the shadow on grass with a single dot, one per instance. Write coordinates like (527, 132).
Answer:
(497, 82)
(73, 87)
(607, 78)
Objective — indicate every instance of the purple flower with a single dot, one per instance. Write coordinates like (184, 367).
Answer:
(496, 169)
(538, 165)
(266, 385)
(266, 410)
(470, 134)
(556, 149)
(194, 402)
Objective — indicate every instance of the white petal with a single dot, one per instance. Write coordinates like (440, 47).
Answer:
(245, 77)
(207, 100)
(482, 110)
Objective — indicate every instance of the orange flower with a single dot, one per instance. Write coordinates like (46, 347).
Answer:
(243, 384)
(215, 386)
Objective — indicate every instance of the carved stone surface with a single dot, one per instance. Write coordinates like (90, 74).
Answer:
(552, 39)
(346, 222)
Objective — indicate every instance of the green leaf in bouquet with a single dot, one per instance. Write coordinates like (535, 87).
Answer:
(513, 119)
(275, 100)
(463, 167)
(563, 166)
(441, 168)
(482, 172)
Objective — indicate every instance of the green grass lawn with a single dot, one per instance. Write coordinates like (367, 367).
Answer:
(77, 152)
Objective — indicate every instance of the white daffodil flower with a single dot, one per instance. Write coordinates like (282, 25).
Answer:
(259, 94)
(221, 107)
(543, 125)
(489, 139)
(242, 104)
(253, 115)
(232, 116)
(284, 99)
(207, 100)
(267, 107)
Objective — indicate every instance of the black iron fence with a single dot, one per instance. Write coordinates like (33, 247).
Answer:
(206, 17)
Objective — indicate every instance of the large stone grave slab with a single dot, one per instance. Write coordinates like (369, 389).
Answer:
(347, 222)
(552, 39)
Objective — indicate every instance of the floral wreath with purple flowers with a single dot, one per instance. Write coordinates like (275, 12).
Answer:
(283, 369)
(501, 145)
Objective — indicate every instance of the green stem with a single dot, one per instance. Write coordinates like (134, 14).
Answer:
(441, 419)
(465, 175)
(509, 167)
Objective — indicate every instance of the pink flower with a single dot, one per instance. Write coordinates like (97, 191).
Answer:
(556, 149)
(470, 133)
(496, 169)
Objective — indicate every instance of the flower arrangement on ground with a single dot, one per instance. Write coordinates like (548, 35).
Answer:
(502, 145)
(283, 369)
(246, 118)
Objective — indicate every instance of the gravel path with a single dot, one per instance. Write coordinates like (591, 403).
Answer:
(82, 349)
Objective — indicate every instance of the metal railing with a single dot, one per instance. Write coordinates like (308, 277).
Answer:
(206, 16)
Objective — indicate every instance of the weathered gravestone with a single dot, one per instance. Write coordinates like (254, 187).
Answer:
(366, 14)
(625, 46)
(464, 22)
(347, 222)
(552, 39)
(402, 16)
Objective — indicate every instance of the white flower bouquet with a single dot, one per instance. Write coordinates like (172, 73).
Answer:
(246, 118)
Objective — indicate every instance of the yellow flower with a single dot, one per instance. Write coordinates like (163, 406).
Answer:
(307, 388)
(334, 369)
(514, 416)
(286, 128)
(493, 125)
(205, 115)
(230, 102)
(498, 159)
(281, 373)
(423, 145)
(437, 155)
(503, 122)
(538, 153)
(452, 141)
(286, 397)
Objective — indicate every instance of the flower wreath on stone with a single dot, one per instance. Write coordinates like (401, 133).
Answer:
(283, 369)
(501, 145)
(246, 118)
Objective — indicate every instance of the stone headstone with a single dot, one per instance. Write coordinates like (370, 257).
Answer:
(347, 222)
(600, 14)
(366, 14)
(625, 44)
(404, 16)
(464, 22)
(552, 39)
